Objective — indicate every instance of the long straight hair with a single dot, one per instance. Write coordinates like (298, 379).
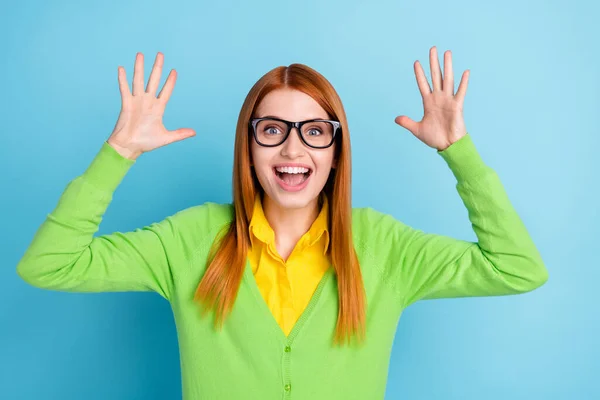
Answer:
(227, 257)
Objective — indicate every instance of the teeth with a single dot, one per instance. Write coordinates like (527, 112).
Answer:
(292, 170)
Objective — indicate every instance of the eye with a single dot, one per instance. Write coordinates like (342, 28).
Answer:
(314, 132)
(272, 130)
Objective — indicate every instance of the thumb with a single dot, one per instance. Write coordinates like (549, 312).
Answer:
(407, 123)
(181, 134)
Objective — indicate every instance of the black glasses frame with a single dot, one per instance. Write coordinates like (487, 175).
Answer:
(298, 126)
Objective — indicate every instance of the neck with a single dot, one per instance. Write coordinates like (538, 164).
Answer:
(289, 224)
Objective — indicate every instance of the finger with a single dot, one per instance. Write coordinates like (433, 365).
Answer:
(138, 75)
(180, 134)
(408, 123)
(155, 74)
(123, 86)
(424, 87)
(167, 89)
(462, 87)
(436, 73)
(448, 85)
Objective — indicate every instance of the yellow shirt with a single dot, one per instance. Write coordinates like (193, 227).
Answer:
(287, 286)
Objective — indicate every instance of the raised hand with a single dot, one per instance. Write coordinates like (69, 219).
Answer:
(139, 128)
(443, 122)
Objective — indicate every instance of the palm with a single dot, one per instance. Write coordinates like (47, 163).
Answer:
(145, 117)
(442, 123)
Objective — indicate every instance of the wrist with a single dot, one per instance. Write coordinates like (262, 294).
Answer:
(124, 151)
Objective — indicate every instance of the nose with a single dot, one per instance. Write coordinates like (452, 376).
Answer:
(293, 146)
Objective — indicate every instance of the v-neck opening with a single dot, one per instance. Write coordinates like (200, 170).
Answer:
(314, 299)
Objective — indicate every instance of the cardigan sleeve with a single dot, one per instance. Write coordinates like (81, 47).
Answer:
(504, 260)
(64, 255)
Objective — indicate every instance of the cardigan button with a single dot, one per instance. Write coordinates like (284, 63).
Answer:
(288, 349)
(288, 387)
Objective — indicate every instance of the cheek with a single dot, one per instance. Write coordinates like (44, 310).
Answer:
(256, 156)
(325, 161)
(323, 164)
(260, 160)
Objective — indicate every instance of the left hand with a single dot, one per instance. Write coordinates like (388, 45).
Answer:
(443, 122)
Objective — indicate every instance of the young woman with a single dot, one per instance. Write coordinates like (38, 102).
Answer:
(288, 292)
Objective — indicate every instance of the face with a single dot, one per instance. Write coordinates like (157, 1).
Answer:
(291, 190)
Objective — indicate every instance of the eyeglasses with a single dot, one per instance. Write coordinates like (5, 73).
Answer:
(315, 133)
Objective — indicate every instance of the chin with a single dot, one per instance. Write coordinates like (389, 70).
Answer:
(292, 200)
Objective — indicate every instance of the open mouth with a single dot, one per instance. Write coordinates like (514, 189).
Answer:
(292, 176)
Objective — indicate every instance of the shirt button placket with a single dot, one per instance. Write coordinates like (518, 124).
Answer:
(287, 387)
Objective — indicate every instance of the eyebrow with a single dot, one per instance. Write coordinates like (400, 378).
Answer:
(308, 119)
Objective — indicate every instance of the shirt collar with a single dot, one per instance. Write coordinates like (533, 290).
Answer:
(260, 229)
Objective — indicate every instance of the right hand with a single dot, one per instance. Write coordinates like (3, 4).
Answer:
(139, 128)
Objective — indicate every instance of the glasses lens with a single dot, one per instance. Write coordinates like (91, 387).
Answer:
(318, 133)
(270, 132)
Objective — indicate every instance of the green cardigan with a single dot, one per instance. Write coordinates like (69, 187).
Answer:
(251, 358)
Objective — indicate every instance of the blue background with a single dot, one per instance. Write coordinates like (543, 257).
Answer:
(531, 107)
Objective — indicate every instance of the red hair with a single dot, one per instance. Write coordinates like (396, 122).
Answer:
(227, 259)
